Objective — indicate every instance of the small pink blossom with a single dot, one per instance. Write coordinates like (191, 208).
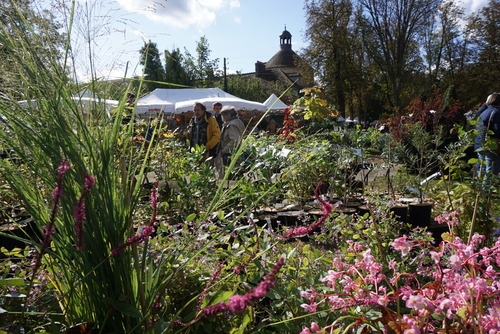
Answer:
(401, 245)
(455, 262)
(315, 327)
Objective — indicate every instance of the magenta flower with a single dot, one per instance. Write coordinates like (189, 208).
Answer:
(50, 228)
(301, 230)
(238, 303)
(214, 278)
(146, 231)
(79, 211)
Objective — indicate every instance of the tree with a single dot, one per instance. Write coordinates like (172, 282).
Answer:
(391, 31)
(249, 88)
(154, 72)
(329, 52)
(481, 54)
(20, 18)
(202, 69)
(175, 71)
(442, 42)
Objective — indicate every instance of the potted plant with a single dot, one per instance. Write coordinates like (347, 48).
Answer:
(419, 150)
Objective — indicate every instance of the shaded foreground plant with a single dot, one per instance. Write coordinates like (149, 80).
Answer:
(116, 293)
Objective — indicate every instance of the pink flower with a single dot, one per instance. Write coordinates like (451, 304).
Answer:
(455, 262)
(315, 327)
(302, 230)
(50, 228)
(309, 308)
(415, 302)
(79, 211)
(238, 303)
(146, 231)
(401, 245)
(383, 300)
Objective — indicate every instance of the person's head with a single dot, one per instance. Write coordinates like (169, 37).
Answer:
(491, 98)
(495, 99)
(217, 107)
(199, 109)
(130, 97)
(228, 113)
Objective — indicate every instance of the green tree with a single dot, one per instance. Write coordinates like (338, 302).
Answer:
(203, 70)
(392, 29)
(443, 42)
(481, 54)
(154, 71)
(249, 88)
(175, 71)
(22, 17)
(329, 51)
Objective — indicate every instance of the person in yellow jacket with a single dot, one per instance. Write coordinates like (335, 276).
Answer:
(203, 130)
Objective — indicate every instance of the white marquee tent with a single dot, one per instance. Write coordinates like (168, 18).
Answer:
(274, 103)
(226, 101)
(84, 99)
(169, 101)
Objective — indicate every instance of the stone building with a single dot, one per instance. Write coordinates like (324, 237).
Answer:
(285, 67)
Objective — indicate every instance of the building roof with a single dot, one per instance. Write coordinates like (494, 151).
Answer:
(282, 58)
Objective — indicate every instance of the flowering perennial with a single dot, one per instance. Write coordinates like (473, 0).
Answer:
(456, 287)
(238, 303)
(302, 230)
(79, 211)
(50, 228)
(146, 230)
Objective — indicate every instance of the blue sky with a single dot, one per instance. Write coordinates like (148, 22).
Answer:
(242, 31)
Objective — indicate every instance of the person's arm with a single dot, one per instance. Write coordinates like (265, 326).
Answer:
(234, 136)
(495, 124)
(214, 139)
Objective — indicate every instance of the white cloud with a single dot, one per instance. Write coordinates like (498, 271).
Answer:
(472, 6)
(179, 13)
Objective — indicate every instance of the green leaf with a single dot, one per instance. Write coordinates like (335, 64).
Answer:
(12, 282)
(127, 309)
(221, 297)
(247, 318)
(191, 217)
(373, 315)
(462, 313)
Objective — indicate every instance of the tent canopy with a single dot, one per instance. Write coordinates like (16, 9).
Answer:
(274, 103)
(226, 101)
(178, 100)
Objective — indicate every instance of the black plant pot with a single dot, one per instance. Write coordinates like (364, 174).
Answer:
(400, 213)
(420, 214)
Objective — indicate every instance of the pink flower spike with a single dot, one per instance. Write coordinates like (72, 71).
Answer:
(79, 210)
(238, 303)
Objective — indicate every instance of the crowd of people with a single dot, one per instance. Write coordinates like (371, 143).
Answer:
(219, 132)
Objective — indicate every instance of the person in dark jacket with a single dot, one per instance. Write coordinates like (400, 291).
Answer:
(488, 128)
(485, 105)
(216, 108)
(203, 130)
